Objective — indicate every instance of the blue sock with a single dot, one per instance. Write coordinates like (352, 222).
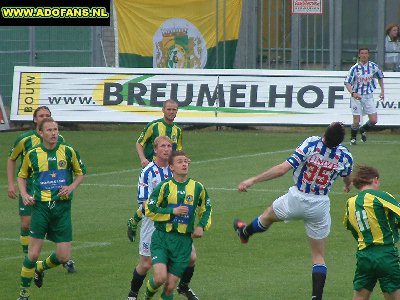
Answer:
(254, 227)
(318, 280)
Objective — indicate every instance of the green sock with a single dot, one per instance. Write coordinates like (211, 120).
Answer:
(27, 272)
(50, 262)
(151, 288)
(24, 239)
(167, 297)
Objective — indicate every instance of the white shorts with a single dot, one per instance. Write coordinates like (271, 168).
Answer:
(146, 231)
(365, 106)
(313, 209)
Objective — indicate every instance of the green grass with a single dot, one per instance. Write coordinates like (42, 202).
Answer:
(273, 265)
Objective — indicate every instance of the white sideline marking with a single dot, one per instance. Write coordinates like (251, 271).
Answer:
(208, 188)
(200, 161)
(78, 247)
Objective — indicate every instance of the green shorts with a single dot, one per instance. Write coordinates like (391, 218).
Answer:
(52, 220)
(172, 249)
(378, 263)
(25, 210)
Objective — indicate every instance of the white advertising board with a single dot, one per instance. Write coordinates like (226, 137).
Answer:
(204, 96)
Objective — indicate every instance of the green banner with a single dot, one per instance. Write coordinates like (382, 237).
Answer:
(197, 35)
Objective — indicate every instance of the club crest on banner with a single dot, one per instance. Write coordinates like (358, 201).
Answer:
(179, 44)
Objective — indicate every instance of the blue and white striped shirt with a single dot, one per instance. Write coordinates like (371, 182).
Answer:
(362, 77)
(316, 166)
(149, 178)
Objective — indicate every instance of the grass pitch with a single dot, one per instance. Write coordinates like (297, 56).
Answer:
(273, 265)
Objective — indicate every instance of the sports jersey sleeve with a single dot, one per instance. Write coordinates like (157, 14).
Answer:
(348, 163)
(300, 154)
(205, 210)
(78, 166)
(146, 134)
(26, 165)
(17, 149)
(350, 76)
(179, 144)
(390, 203)
(143, 185)
(156, 206)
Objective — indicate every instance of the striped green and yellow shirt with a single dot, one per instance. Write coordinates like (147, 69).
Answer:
(157, 128)
(51, 169)
(372, 218)
(169, 194)
(26, 142)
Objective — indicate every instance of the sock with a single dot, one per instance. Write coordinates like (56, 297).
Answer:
(254, 227)
(167, 297)
(138, 216)
(318, 280)
(137, 281)
(151, 288)
(186, 277)
(367, 126)
(354, 131)
(24, 239)
(50, 262)
(27, 272)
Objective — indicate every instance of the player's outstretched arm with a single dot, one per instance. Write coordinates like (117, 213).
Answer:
(271, 173)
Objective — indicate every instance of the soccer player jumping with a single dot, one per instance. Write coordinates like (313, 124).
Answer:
(317, 162)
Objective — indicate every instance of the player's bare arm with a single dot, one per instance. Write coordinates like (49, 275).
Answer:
(143, 160)
(12, 192)
(26, 198)
(271, 173)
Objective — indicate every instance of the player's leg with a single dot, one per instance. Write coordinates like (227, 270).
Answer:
(370, 109)
(139, 274)
(60, 232)
(319, 269)
(140, 271)
(25, 216)
(183, 287)
(159, 260)
(28, 266)
(392, 296)
(157, 280)
(362, 294)
(170, 285)
(277, 212)
(356, 110)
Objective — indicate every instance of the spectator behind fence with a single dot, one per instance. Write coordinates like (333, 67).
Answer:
(392, 48)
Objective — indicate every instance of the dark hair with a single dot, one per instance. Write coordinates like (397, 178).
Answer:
(40, 108)
(363, 48)
(363, 175)
(175, 154)
(44, 121)
(334, 134)
(169, 101)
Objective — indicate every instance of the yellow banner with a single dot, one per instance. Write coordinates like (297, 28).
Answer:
(29, 93)
(148, 27)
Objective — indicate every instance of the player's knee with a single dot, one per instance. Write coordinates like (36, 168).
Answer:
(193, 258)
(160, 278)
(144, 265)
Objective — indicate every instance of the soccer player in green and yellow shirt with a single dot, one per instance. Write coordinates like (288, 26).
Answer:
(22, 145)
(372, 216)
(173, 206)
(164, 126)
(56, 171)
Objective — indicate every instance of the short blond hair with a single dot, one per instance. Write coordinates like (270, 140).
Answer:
(160, 138)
